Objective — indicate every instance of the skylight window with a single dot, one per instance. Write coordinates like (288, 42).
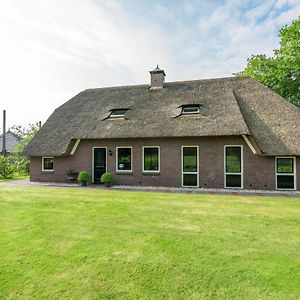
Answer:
(118, 113)
(190, 109)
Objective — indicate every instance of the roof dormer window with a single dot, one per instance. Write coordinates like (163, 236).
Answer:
(118, 113)
(190, 109)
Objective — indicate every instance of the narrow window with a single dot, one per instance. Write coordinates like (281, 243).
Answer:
(124, 159)
(47, 164)
(190, 109)
(233, 167)
(151, 159)
(190, 166)
(118, 113)
(285, 173)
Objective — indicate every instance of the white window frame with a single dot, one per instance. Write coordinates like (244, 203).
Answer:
(93, 159)
(285, 174)
(190, 113)
(111, 115)
(117, 157)
(191, 173)
(143, 159)
(47, 170)
(229, 173)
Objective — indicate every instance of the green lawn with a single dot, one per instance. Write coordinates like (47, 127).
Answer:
(94, 244)
(16, 177)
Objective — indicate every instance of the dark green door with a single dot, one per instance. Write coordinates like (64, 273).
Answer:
(99, 163)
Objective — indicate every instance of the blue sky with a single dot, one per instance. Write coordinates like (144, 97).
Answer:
(53, 49)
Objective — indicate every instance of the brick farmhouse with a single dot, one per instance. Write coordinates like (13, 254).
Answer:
(215, 133)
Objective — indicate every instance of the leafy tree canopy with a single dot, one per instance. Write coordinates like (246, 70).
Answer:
(281, 72)
(25, 134)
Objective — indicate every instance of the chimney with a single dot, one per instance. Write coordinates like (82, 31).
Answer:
(157, 78)
(4, 134)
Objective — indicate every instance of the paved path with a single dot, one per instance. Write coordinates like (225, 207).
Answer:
(27, 183)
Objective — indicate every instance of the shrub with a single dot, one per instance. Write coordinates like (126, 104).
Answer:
(7, 167)
(106, 178)
(21, 164)
(84, 177)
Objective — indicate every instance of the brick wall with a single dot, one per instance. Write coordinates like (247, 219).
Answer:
(259, 171)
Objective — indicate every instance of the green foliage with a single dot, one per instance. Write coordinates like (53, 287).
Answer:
(26, 134)
(21, 164)
(106, 177)
(7, 167)
(84, 176)
(281, 72)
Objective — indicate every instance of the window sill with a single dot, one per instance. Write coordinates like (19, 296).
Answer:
(151, 173)
(123, 172)
(47, 171)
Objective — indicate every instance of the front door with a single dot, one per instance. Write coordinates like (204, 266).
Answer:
(99, 163)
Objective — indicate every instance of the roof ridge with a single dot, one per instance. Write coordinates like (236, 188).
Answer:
(240, 110)
(169, 83)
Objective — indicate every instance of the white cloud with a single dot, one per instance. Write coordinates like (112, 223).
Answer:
(53, 49)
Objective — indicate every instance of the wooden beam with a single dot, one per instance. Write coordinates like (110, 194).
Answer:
(249, 144)
(75, 147)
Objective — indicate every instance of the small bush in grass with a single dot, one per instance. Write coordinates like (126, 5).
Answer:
(84, 177)
(106, 178)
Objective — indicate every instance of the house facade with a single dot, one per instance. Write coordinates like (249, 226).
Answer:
(216, 133)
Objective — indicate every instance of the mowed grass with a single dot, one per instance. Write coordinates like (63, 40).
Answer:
(16, 177)
(60, 243)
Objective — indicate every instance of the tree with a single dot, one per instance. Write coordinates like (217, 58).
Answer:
(25, 134)
(21, 164)
(281, 72)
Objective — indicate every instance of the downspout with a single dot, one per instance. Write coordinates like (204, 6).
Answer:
(4, 134)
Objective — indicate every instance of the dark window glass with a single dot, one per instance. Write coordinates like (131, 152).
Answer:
(285, 165)
(233, 160)
(118, 113)
(234, 181)
(190, 180)
(190, 109)
(48, 163)
(151, 159)
(285, 182)
(124, 159)
(190, 159)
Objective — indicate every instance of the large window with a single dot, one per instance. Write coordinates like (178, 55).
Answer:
(47, 164)
(190, 166)
(233, 166)
(285, 173)
(124, 159)
(151, 159)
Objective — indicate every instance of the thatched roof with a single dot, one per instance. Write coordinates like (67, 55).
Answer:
(229, 106)
(11, 139)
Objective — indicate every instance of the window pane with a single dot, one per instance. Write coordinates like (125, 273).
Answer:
(285, 181)
(190, 109)
(190, 180)
(48, 164)
(234, 181)
(190, 159)
(233, 160)
(285, 165)
(124, 159)
(118, 113)
(151, 162)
